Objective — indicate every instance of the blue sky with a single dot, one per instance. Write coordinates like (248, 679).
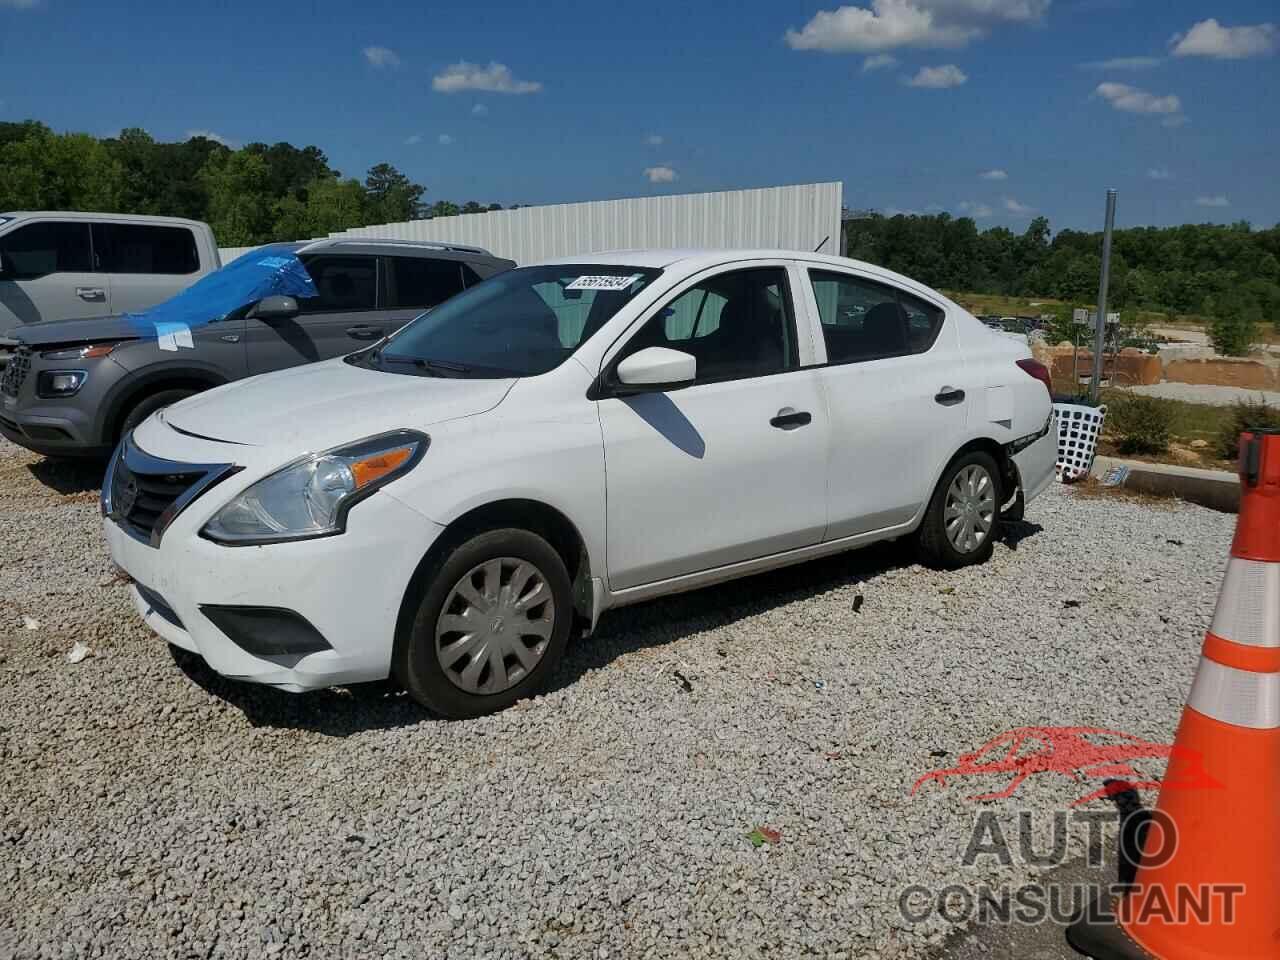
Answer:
(909, 102)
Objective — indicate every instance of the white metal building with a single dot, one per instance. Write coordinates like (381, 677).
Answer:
(799, 217)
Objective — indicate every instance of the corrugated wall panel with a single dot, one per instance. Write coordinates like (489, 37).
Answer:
(789, 218)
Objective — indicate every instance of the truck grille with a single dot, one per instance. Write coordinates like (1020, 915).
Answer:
(16, 372)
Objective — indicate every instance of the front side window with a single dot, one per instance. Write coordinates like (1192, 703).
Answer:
(39, 249)
(419, 282)
(138, 248)
(863, 320)
(523, 322)
(343, 283)
(735, 325)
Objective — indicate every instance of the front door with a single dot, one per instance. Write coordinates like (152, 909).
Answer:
(732, 467)
(46, 273)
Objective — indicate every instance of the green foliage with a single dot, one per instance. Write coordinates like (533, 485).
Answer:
(1139, 424)
(250, 195)
(1235, 322)
(1245, 415)
(1163, 269)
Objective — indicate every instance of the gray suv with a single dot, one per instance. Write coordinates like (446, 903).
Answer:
(73, 387)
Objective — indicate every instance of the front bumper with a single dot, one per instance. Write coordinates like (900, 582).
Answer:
(348, 587)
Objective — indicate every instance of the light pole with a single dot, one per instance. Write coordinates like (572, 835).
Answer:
(1101, 333)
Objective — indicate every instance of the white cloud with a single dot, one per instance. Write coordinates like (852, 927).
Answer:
(479, 110)
(879, 62)
(655, 140)
(660, 174)
(1214, 201)
(1123, 63)
(413, 140)
(1013, 206)
(994, 175)
(1159, 173)
(444, 139)
(1208, 38)
(215, 137)
(979, 211)
(381, 57)
(927, 24)
(495, 78)
(938, 78)
(1175, 121)
(1134, 100)
(20, 4)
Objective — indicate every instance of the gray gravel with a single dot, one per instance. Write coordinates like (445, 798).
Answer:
(1211, 394)
(152, 812)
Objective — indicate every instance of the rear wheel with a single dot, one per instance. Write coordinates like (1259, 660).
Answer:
(149, 405)
(962, 522)
(491, 627)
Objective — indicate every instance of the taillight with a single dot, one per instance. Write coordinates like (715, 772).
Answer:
(1034, 368)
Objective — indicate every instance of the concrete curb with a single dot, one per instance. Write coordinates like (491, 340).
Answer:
(1215, 489)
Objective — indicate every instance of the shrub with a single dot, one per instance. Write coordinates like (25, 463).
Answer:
(1245, 415)
(1139, 424)
(1235, 324)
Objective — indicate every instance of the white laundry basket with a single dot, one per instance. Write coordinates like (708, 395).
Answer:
(1078, 429)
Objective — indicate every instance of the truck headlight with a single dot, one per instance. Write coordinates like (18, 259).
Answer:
(59, 383)
(310, 497)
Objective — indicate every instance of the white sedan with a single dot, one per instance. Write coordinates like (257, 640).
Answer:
(444, 507)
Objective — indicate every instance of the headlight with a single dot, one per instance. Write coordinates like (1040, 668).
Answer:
(88, 351)
(59, 383)
(310, 497)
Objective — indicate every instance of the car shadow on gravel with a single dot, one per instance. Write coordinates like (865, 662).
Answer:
(341, 712)
(69, 477)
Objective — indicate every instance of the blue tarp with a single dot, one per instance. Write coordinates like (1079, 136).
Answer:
(247, 279)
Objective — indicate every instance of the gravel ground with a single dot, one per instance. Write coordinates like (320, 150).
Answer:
(1213, 395)
(152, 811)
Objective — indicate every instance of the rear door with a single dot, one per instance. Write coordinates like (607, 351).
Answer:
(47, 273)
(895, 384)
(144, 263)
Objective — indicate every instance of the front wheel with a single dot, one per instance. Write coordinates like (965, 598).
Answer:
(491, 627)
(962, 522)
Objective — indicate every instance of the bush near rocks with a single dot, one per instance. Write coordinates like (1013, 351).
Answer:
(1245, 415)
(1139, 424)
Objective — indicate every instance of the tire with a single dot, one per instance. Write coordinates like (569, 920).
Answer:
(459, 673)
(149, 405)
(939, 546)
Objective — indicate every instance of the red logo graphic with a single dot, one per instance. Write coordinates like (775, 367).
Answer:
(1077, 752)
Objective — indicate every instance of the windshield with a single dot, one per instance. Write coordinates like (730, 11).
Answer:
(520, 323)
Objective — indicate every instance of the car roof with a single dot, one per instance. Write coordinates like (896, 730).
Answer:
(90, 215)
(690, 261)
(408, 248)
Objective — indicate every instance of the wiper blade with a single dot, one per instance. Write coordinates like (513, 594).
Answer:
(444, 365)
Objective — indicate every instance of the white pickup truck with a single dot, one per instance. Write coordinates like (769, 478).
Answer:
(57, 265)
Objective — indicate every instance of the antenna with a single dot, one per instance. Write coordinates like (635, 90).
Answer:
(822, 244)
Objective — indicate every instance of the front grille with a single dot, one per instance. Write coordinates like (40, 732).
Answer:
(16, 372)
(139, 499)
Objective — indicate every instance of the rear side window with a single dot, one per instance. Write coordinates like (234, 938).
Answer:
(420, 282)
(39, 249)
(862, 320)
(344, 283)
(138, 248)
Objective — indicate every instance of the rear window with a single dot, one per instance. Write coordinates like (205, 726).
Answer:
(39, 249)
(863, 320)
(142, 248)
(421, 282)
(344, 283)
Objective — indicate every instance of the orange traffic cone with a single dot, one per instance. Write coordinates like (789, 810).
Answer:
(1208, 883)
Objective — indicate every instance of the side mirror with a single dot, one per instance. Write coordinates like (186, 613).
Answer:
(657, 368)
(276, 307)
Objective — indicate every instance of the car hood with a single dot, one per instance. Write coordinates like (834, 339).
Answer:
(322, 405)
(43, 333)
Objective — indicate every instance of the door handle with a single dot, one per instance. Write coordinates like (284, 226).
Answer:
(789, 419)
(91, 293)
(949, 396)
(364, 332)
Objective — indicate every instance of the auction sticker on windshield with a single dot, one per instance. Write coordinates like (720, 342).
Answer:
(603, 283)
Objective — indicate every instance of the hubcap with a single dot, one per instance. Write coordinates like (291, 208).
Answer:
(970, 509)
(495, 626)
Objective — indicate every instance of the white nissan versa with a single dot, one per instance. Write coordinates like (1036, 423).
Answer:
(444, 506)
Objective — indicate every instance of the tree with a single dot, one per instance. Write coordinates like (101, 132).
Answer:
(290, 170)
(393, 197)
(443, 208)
(50, 171)
(239, 202)
(1235, 322)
